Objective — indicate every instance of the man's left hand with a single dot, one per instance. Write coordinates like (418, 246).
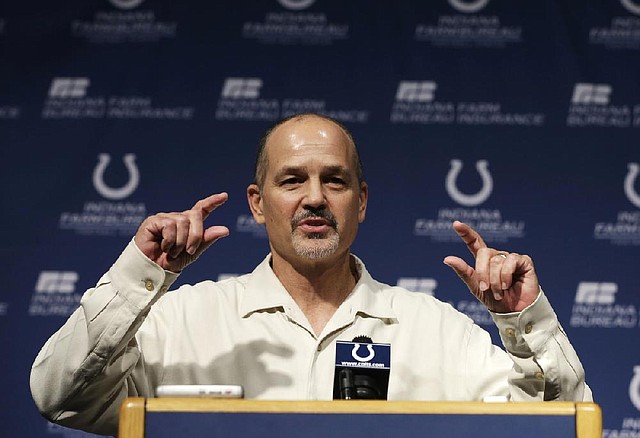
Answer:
(502, 281)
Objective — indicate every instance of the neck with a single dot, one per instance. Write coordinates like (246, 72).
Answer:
(317, 286)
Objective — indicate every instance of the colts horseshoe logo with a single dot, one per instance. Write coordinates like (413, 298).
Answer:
(359, 358)
(630, 6)
(126, 4)
(633, 196)
(296, 5)
(634, 387)
(116, 193)
(468, 7)
(469, 200)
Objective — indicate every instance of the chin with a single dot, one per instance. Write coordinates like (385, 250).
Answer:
(315, 248)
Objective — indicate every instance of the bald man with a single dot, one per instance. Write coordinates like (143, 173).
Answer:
(274, 331)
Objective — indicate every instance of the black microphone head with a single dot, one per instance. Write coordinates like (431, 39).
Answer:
(362, 339)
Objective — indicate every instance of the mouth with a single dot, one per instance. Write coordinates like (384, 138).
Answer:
(315, 225)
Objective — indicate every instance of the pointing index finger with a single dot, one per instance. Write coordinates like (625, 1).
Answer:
(470, 237)
(207, 205)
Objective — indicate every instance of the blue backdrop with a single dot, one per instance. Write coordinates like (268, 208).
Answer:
(521, 118)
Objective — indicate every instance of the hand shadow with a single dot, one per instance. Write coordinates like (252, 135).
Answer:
(247, 361)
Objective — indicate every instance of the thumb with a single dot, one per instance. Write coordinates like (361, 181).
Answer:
(462, 270)
(211, 235)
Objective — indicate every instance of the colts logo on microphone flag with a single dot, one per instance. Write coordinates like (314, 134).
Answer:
(363, 355)
(369, 365)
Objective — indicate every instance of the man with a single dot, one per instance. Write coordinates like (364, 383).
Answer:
(274, 331)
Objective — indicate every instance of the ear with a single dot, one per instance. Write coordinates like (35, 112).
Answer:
(364, 197)
(255, 203)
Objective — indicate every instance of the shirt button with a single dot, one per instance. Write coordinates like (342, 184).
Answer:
(539, 375)
(528, 328)
(163, 289)
(148, 285)
(510, 332)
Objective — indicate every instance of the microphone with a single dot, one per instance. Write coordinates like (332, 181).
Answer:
(346, 384)
(361, 370)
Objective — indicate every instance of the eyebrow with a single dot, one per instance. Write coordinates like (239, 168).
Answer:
(329, 170)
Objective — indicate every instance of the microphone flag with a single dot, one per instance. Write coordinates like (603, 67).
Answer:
(361, 370)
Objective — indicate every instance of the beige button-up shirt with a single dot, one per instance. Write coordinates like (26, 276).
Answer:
(129, 336)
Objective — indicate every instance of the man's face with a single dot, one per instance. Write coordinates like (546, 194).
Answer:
(311, 201)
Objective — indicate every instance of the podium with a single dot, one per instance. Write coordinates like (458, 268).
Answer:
(197, 417)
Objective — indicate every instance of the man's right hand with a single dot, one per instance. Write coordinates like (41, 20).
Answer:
(175, 240)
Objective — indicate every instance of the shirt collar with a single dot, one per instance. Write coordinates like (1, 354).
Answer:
(264, 292)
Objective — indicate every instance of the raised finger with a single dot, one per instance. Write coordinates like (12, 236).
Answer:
(207, 205)
(470, 237)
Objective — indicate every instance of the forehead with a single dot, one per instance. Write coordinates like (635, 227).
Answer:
(311, 138)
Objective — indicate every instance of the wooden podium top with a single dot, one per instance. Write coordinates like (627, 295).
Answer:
(140, 417)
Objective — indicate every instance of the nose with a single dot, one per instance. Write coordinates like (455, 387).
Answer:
(314, 196)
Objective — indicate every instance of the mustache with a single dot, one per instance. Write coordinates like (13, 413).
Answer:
(314, 214)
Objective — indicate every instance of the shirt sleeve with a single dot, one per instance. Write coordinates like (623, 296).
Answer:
(545, 364)
(86, 369)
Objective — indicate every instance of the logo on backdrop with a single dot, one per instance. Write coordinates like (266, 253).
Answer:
(54, 294)
(296, 5)
(464, 28)
(595, 306)
(596, 94)
(629, 182)
(116, 215)
(487, 221)
(69, 87)
(474, 309)
(295, 26)
(4, 308)
(630, 425)
(246, 224)
(591, 107)
(634, 387)
(409, 91)
(622, 32)
(9, 112)
(415, 103)
(240, 99)
(69, 98)
(123, 25)
(631, 6)
(241, 88)
(421, 285)
(116, 194)
(468, 6)
(625, 230)
(469, 200)
(126, 4)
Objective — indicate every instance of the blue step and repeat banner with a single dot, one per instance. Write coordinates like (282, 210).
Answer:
(519, 117)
